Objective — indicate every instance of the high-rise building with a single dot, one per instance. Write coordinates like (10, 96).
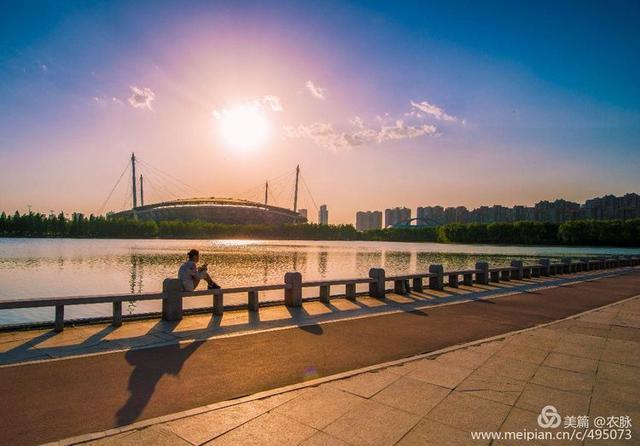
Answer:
(430, 215)
(396, 215)
(558, 211)
(367, 220)
(323, 215)
(303, 213)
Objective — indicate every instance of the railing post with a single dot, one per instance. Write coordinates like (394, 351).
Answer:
(117, 314)
(172, 300)
(417, 284)
(518, 274)
(453, 280)
(325, 292)
(377, 286)
(218, 302)
(436, 282)
(254, 304)
(59, 318)
(505, 275)
(293, 291)
(546, 268)
(568, 266)
(585, 263)
(467, 279)
(526, 272)
(350, 289)
(482, 273)
(398, 286)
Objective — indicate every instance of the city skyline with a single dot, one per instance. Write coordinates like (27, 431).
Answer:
(605, 207)
(449, 107)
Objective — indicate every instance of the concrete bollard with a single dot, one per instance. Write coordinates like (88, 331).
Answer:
(517, 274)
(482, 273)
(172, 300)
(546, 267)
(436, 282)
(377, 286)
(293, 291)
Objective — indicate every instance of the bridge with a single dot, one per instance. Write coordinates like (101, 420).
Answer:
(408, 223)
(224, 210)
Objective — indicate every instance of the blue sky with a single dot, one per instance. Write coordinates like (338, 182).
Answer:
(543, 98)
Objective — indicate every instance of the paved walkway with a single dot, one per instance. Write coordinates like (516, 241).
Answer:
(50, 400)
(588, 366)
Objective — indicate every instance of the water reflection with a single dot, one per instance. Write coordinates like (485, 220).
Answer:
(322, 263)
(62, 267)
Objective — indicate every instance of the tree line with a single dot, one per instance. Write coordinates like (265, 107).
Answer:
(581, 232)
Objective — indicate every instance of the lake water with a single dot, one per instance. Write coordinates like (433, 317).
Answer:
(68, 267)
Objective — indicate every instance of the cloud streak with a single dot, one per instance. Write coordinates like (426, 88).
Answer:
(433, 110)
(141, 97)
(315, 90)
(264, 103)
(325, 135)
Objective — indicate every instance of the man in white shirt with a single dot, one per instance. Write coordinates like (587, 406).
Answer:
(190, 274)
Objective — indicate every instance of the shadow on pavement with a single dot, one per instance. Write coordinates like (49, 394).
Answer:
(150, 365)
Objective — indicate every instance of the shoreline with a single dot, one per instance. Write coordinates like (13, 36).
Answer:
(533, 245)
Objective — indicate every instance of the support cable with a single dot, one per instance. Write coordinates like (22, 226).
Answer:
(104, 204)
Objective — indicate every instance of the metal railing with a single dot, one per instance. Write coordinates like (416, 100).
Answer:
(172, 294)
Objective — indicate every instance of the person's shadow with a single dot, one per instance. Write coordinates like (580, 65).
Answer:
(150, 366)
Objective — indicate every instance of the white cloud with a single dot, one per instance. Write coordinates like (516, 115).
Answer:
(357, 122)
(315, 90)
(141, 97)
(400, 130)
(273, 102)
(265, 103)
(325, 135)
(433, 110)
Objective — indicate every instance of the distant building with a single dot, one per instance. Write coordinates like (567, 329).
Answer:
(323, 215)
(608, 207)
(396, 215)
(303, 213)
(430, 215)
(367, 220)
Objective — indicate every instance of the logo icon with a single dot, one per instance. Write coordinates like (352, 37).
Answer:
(549, 418)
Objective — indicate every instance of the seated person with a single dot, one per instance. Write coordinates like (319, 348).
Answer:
(190, 274)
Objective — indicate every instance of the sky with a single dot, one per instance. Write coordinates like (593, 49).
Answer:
(382, 104)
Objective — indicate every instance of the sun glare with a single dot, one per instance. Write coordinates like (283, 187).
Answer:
(243, 127)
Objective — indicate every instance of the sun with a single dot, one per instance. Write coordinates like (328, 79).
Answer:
(243, 126)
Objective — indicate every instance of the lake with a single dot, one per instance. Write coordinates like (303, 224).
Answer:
(67, 267)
